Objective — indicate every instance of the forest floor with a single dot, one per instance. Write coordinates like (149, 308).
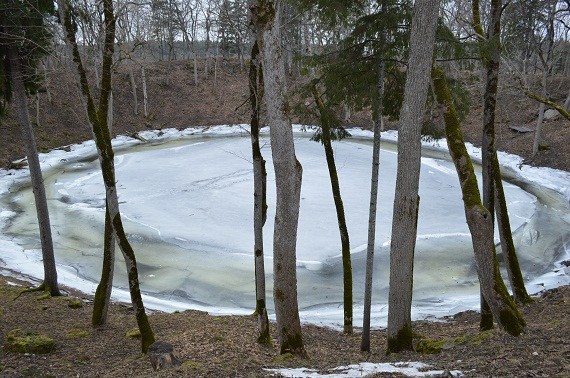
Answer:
(225, 346)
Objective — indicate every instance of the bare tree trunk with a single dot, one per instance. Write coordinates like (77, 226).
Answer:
(134, 90)
(110, 113)
(326, 126)
(48, 91)
(259, 192)
(98, 120)
(365, 343)
(145, 95)
(288, 174)
(37, 98)
(216, 70)
(50, 272)
(195, 68)
(478, 218)
(406, 202)
(539, 121)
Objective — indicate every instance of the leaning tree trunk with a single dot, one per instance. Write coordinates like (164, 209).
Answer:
(50, 272)
(339, 206)
(259, 193)
(507, 244)
(288, 173)
(98, 121)
(478, 217)
(406, 202)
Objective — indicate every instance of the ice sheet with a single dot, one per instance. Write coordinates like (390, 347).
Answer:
(186, 198)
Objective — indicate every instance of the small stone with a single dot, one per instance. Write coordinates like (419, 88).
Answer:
(161, 355)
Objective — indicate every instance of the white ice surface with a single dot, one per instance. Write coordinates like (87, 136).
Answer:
(187, 207)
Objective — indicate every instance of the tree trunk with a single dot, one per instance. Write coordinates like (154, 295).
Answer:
(365, 342)
(110, 113)
(406, 202)
(259, 193)
(478, 218)
(339, 206)
(491, 55)
(145, 95)
(195, 68)
(50, 272)
(507, 245)
(288, 174)
(134, 90)
(103, 293)
(540, 119)
(98, 121)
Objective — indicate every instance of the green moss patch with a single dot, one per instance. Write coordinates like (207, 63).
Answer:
(19, 342)
(428, 346)
(134, 333)
(74, 302)
(76, 333)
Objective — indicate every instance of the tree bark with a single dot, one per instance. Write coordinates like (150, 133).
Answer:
(145, 95)
(134, 91)
(507, 244)
(478, 217)
(104, 288)
(98, 120)
(288, 174)
(339, 206)
(491, 56)
(50, 272)
(406, 202)
(259, 193)
(365, 342)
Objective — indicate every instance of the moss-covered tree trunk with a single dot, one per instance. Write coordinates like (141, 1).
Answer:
(98, 120)
(288, 174)
(490, 54)
(105, 286)
(514, 271)
(406, 201)
(18, 87)
(478, 217)
(326, 118)
(259, 193)
(493, 194)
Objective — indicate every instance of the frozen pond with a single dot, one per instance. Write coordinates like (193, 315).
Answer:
(187, 206)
